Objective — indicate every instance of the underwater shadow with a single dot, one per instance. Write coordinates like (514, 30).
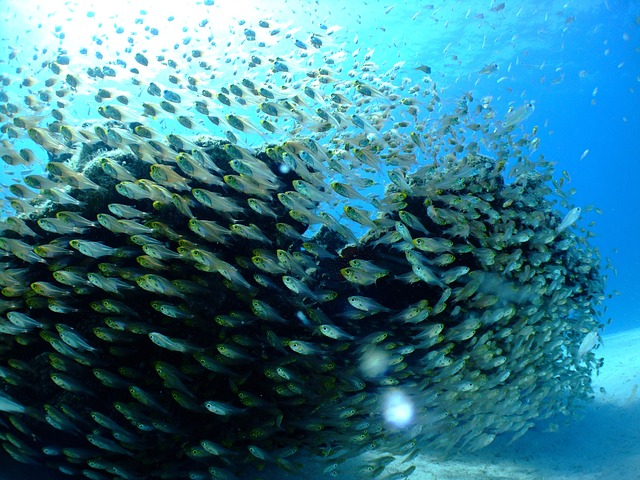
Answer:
(13, 470)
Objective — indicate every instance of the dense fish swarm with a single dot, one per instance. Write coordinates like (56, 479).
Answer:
(317, 252)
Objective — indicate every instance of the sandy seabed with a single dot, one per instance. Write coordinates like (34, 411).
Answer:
(603, 444)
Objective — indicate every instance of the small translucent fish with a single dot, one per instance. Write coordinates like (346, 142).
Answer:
(415, 138)
(368, 267)
(171, 375)
(211, 364)
(250, 232)
(132, 190)
(304, 348)
(108, 284)
(107, 444)
(22, 191)
(216, 202)
(72, 338)
(58, 306)
(410, 220)
(56, 195)
(40, 182)
(126, 211)
(92, 249)
(145, 398)
(9, 405)
(109, 222)
(170, 310)
(75, 220)
(209, 230)
(20, 249)
(346, 191)
(308, 190)
(267, 262)
(261, 207)
(453, 274)
(215, 449)
(46, 289)
(334, 332)
(260, 453)
(433, 245)
(359, 216)
(67, 383)
(174, 344)
(488, 68)
(569, 219)
(233, 352)
(192, 168)
(55, 225)
(359, 276)
(159, 252)
(518, 115)
(366, 304)
(426, 275)
(158, 284)
(415, 313)
(115, 170)
(590, 340)
(43, 137)
(23, 321)
(71, 177)
(317, 250)
(297, 286)
(19, 226)
(164, 175)
(243, 124)
(223, 409)
(266, 312)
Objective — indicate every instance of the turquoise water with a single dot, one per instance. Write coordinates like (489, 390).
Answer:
(577, 63)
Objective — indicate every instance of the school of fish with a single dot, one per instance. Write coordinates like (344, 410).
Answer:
(223, 273)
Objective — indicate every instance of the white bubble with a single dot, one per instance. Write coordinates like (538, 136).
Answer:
(398, 409)
(284, 169)
(374, 362)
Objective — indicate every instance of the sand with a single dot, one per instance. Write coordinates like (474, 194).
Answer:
(602, 445)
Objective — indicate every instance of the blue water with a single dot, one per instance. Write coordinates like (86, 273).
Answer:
(578, 61)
